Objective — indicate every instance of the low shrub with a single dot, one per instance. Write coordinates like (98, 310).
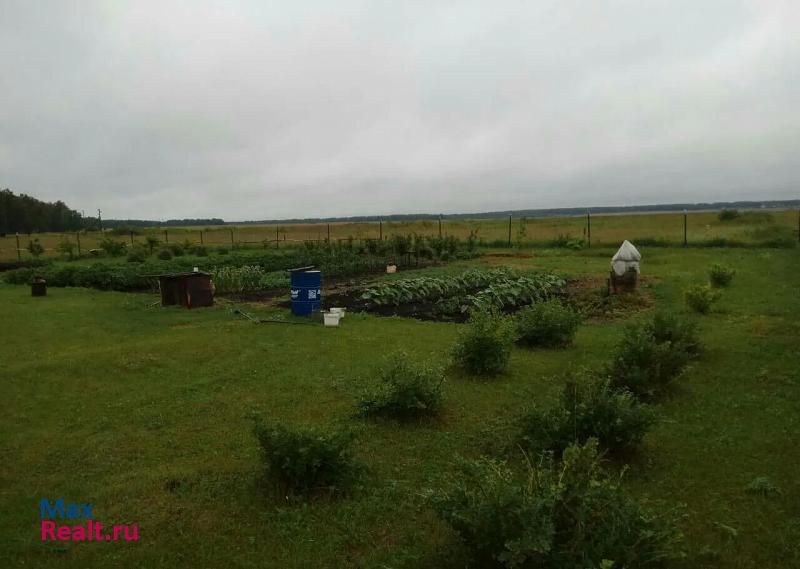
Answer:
(165, 255)
(484, 344)
(571, 515)
(137, 255)
(200, 251)
(652, 354)
(728, 214)
(700, 298)
(175, 248)
(588, 408)
(113, 247)
(307, 459)
(222, 250)
(720, 275)
(405, 390)
(546, 324)
(35, 248)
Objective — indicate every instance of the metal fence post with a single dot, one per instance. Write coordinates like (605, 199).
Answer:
(685, 240)
(19, 253)
(509, 230)
(201, 237)
(440, 226)
(380, 229)
(589, 229)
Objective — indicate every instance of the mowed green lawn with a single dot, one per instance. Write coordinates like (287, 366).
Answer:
(147, 413)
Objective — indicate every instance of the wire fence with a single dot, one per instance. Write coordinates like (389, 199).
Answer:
(750, 228)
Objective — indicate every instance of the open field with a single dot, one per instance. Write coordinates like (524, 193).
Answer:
(147, 412)
(702, 227)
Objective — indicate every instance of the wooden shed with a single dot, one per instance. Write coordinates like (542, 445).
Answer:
(186, 289)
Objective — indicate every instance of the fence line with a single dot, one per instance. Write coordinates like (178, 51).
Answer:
(673, 228)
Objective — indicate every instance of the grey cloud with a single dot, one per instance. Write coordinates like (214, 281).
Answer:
(263, 110)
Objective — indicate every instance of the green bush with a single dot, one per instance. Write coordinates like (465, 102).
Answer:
(700, 298)
(546, 324)
(589, 408)
(652, 354)
(113, 247)
(165, 254)
(570, 515)
(720, 275)
(137, 255)
(35, 248)
(728, 214)
(484, 344)
(222, 250)
(307, 459)
(200, 251)
(175, 248)
(405, 390)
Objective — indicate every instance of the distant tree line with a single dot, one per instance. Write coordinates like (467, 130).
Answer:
(25, 214)
(115, 223)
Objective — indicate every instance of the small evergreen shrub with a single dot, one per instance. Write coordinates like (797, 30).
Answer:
(405, 390)
(484, 344)
(700, 298)
(588, 408)
(571, 515)
(307, 459)
(720, 275)
(546, 324)
(164, 255)
(651, 354)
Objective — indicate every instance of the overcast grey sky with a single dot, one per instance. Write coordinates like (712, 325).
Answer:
(256, 110)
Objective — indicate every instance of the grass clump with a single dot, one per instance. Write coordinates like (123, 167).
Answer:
(484, 345)
(700, 298)
(720, 275)
(546, 324)
(307, 459)
(762, 486)
(652, 354)
(405, 390)
(571, 515)
(588, 408)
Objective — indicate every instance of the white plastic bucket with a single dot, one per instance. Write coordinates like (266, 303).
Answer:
(339, 311)
(391, 269)
(331, 318)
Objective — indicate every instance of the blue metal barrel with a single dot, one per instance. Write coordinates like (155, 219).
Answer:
(306, 291)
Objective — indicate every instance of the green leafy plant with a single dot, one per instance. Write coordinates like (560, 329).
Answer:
(652, 354)
(35, 248)
(571, 515)
(165, 254)
(728, 214)
(113, 247)
(484, 344)
(762, 486)
(700, 298)
(547, 324)
(405, 390)
(588, 408)
(303, 460)
(152, 242)
(200, 251)
(67, 248)
(720, 275)
(137, 255)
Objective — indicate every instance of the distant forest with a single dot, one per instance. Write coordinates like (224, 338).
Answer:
(25, 214)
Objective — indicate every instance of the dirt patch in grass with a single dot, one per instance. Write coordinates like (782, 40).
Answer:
(590, 297)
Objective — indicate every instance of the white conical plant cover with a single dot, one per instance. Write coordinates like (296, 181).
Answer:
(625, 259)
(627, 252)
